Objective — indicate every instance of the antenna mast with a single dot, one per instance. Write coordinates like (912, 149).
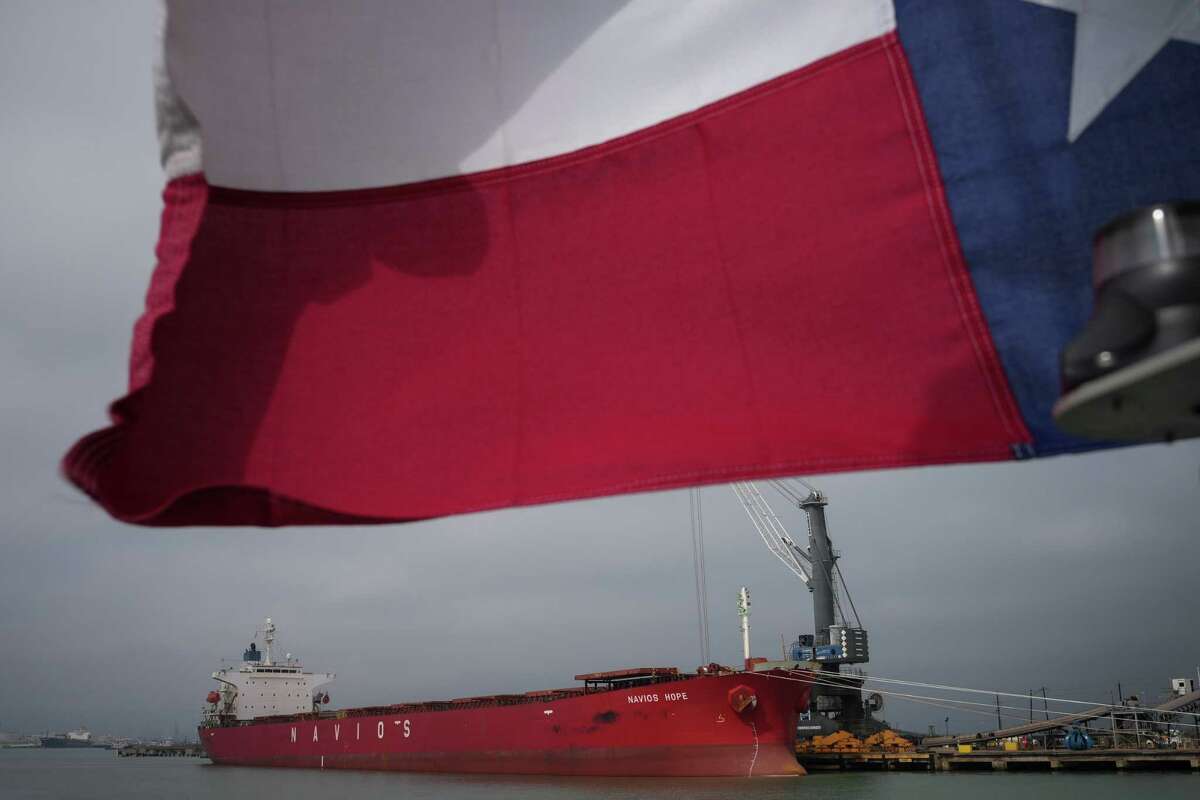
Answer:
(744, 613)
(269, 638)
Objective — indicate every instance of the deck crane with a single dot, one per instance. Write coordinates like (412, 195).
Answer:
(834, 640)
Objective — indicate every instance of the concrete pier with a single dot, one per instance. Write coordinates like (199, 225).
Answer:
(161, 751)
(945, 760)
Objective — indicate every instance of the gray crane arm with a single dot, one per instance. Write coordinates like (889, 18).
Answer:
(772, 531)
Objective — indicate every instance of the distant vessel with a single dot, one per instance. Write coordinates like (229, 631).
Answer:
(648, 721)
(77, 738)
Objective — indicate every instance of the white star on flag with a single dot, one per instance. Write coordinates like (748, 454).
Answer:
(1114, 39)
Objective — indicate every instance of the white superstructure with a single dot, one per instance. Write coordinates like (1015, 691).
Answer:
(262, 687)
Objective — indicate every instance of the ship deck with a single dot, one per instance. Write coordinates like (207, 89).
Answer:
(594, 683)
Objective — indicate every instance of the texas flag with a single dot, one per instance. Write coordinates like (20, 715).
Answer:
(423, 258)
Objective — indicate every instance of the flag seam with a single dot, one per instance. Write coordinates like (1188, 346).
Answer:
(958, 277)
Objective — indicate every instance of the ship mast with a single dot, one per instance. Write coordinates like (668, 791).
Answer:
(744, 612)
(269, 638)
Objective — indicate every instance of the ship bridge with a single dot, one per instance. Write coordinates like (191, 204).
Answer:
(261, 687)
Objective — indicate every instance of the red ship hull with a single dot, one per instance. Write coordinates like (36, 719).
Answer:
(685, 727)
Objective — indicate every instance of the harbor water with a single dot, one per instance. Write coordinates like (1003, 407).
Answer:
(87, 774)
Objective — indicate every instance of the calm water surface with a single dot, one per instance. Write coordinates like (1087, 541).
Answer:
(26, 774)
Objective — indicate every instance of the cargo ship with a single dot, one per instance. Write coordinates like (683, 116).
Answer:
(645, 721)
(76, 738)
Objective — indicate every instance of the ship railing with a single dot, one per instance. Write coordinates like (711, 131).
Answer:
(431, 706)
(617, 684)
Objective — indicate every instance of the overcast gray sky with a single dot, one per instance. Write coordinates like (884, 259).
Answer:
(1073, 572)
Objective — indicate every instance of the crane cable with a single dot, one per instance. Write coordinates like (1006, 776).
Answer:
(846, 589)
(1058, 711)
(989, 709)
(965, 690)
(697, 513)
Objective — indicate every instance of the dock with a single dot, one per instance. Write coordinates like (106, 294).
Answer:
(161, 751)
(946, 760)
(1029, 746)
(866, 760)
